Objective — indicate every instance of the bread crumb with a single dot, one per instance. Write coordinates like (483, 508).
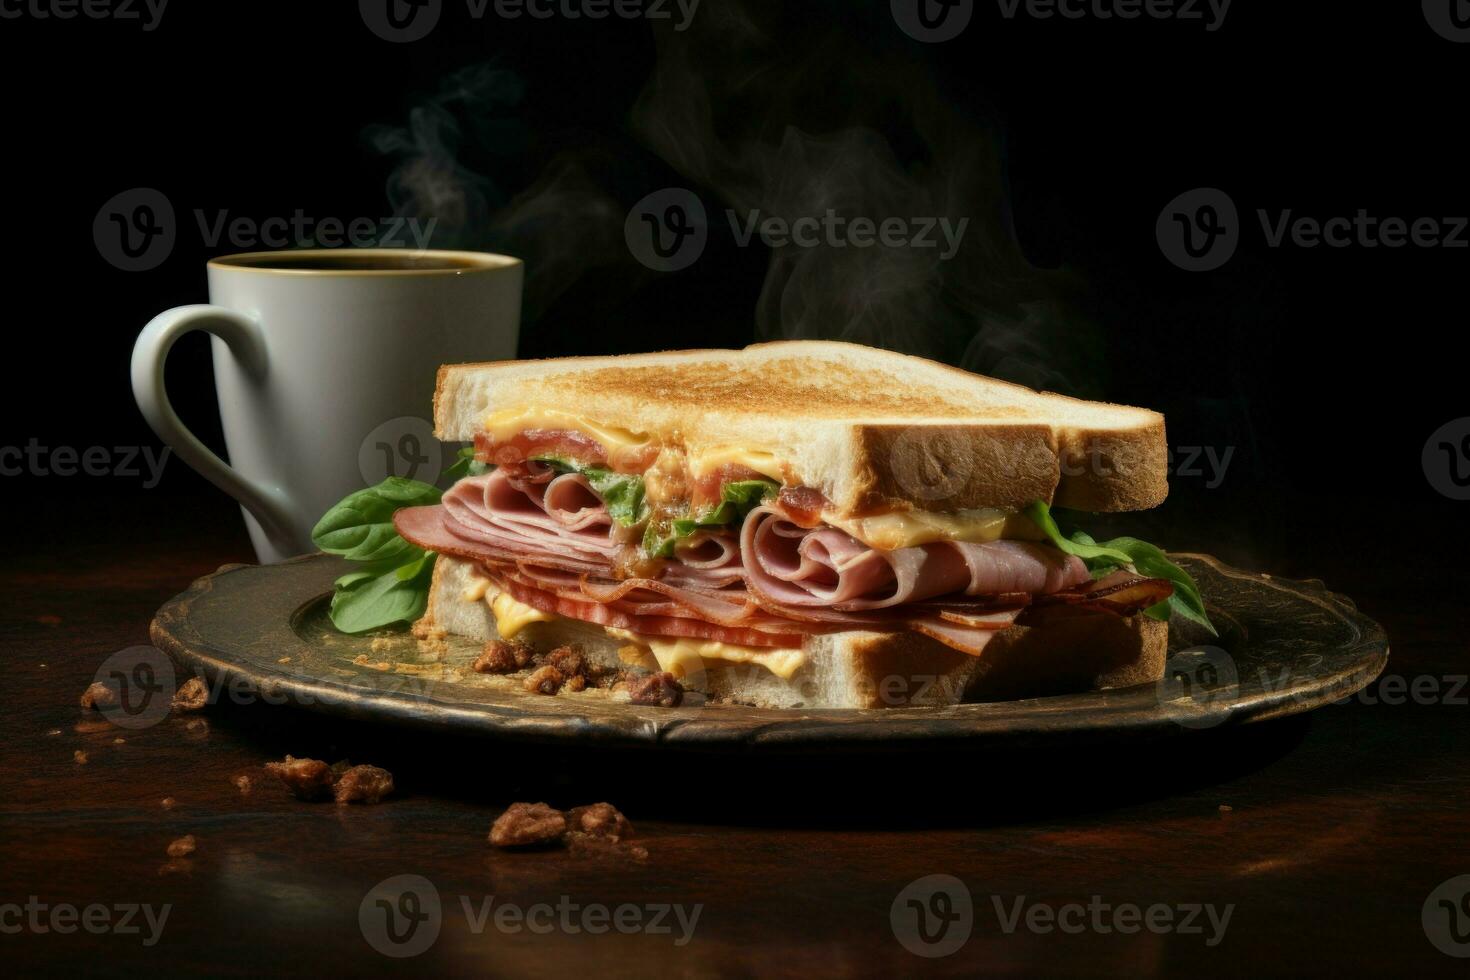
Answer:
(284, 660)
(98, 696)
(1226, 808)
(243, 784)
(191, 695)
(168, 802)
(54, 731)
(119, 741)
(79, 757)
(425, 630)
(182, 847)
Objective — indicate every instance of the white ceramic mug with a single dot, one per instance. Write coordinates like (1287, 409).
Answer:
(324, 363)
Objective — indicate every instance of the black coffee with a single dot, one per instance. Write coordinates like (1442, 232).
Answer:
(348, 262)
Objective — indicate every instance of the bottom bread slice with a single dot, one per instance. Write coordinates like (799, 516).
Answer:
(1067, 653)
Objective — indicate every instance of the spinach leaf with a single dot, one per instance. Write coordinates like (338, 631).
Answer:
(392, 586)
(465, 465)
(737, 499)
(371, 599)
(1126, 552)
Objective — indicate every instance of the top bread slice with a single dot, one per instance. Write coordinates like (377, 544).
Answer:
(871, 429)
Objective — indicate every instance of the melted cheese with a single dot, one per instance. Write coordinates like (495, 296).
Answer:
(904, 529)
(512, 616)
(685, 656)
(501, 426)
(709, 460)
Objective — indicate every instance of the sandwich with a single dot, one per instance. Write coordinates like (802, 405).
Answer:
(793, 525)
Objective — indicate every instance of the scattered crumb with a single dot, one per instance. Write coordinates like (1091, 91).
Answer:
(425, 630)
(168, 802)
(183, 847)
(98, 696)
(545, 680)
(527, 825)
(362, 661)
(1226, 808)
(599, 820)
(380, 644)
(244, 784)
(502, 657)
(191, 695)
(661, 689)
(363, 784)
(307, 779)
(54, 731)
(284, 660)
(119, 741)
(79, 757)
(197, 726)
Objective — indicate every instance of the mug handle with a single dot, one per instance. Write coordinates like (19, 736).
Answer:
(269, 505)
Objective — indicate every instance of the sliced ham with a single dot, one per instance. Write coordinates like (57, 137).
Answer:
(827, 567)
(548, 540)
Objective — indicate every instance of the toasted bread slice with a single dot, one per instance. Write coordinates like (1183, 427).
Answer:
(862, 669)
(872, 430)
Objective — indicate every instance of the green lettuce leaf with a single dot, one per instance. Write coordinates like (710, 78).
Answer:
(1131, 553)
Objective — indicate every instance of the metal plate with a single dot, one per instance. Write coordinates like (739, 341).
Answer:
(262, 631)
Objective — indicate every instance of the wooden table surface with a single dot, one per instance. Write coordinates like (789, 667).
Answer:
(1321, 837)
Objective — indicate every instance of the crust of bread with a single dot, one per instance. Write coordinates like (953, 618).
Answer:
(871, 429)
(860, 669)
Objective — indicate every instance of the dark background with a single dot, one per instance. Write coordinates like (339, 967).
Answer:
(1324, 370)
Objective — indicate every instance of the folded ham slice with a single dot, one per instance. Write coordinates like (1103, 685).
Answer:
(549, 541)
